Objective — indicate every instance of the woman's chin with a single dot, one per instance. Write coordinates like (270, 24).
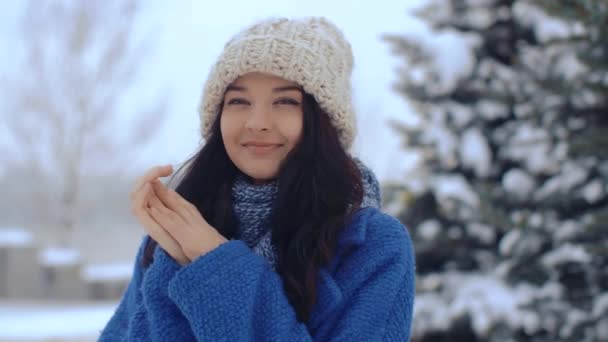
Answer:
(260, 175)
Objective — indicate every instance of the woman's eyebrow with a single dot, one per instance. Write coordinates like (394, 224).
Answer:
(286, 88)
(275, 90)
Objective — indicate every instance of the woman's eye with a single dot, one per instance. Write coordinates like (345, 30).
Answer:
(237, 102)
(288, 102)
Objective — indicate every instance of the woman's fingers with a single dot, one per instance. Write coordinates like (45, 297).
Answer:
(172, 222)
(150, 175)
(172, 200)
(160, 235)
(139, 199)
(186, 207)
(161, 192)
(169, 219)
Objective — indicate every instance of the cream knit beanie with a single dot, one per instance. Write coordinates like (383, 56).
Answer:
(310, 51)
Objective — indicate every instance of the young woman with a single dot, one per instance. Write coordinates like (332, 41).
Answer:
(274, 231)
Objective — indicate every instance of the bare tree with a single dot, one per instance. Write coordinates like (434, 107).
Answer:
(81, 58)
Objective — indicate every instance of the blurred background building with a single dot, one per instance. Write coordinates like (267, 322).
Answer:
(485, 121)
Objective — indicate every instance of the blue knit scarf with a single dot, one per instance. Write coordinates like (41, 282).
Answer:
(252, 206)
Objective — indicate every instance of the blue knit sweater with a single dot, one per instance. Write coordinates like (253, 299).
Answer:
(366, 293)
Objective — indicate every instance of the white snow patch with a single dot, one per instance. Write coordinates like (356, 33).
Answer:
(550, 290)
(576, 123)
(560, 151)
(108, 272)
(517, 216)
(460, 60)
(491, 109)
(588, 219)
(601, 327)
(571, 66)
(571, 175)
(429, 282)
(535, 220)
(53, 321)
(59, 256)
(531, 145)
(518, 182)
(531, 321)
(508, 241)
(15, 237)
(600, 307)
(461, 115)
(594, 191)
(455, 186)
(523, 110)
(427, 315)
(445, 142)
(566, 253)
(502, 268)
(393, 208)
(567, 230)
(574, 318)
(475, 152)
(429, 229)
(546, 27)
(486, 298)
(483, 232)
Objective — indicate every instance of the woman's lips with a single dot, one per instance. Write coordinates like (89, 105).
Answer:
(261, 149)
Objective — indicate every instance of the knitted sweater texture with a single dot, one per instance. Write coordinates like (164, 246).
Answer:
(232, 293)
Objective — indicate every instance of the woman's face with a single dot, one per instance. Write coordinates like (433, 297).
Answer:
(261, 122)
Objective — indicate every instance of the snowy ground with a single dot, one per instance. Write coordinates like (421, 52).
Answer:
(53, 321)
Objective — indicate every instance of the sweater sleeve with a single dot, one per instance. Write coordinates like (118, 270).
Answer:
(117, 327)
(164, 319)
(231, 294)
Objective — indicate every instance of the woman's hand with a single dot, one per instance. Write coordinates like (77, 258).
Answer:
(140, 204)
(183, 221)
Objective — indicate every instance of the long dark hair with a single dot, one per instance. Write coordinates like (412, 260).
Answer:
(320, 187)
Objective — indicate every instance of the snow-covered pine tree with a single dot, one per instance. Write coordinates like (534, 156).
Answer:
(509, 208)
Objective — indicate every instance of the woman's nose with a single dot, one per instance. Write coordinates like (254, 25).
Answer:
(259, 119)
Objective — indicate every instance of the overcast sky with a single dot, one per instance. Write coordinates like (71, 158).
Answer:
(189, 35)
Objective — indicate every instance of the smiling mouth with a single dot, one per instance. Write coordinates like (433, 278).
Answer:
(261, 149)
